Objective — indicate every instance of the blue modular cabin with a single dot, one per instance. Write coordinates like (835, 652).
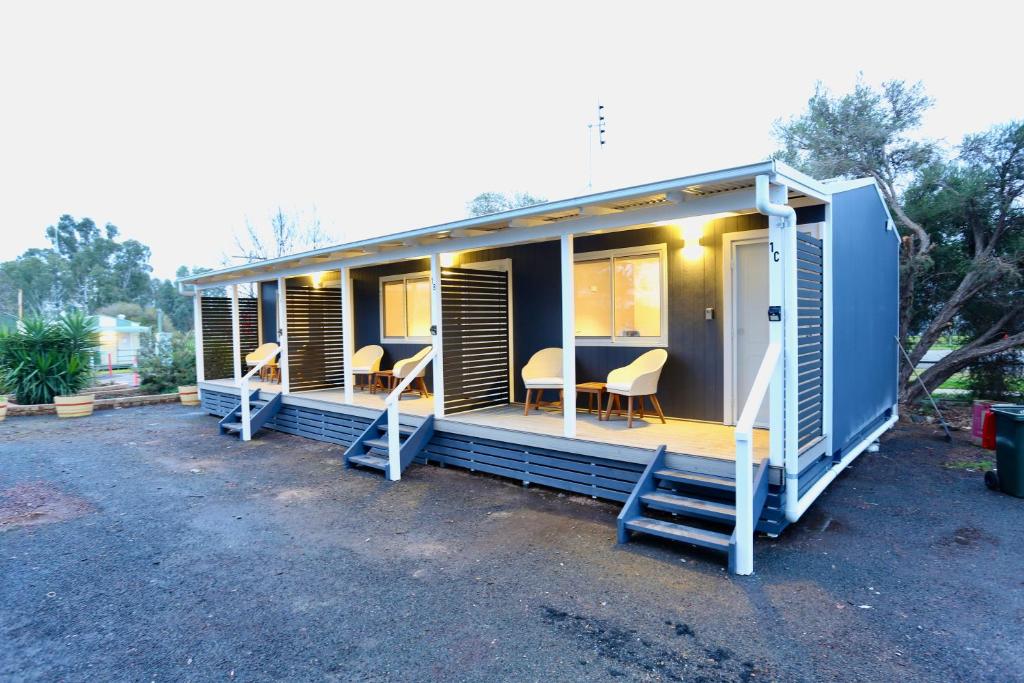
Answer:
(715, 348)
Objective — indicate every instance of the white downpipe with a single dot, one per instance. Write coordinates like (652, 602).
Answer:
(816, 489)
(391, 405)
(744, 435)
(764, 203)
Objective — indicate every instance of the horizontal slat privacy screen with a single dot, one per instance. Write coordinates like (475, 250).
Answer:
(314, 336)
(474, 311)
(810, 326)
(218, 352)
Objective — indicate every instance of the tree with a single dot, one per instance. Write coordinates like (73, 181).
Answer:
(84, 268)
(961, 216)
(495, 202)
(286, 236)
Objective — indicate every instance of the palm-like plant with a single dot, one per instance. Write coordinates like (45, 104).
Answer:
(46, 358)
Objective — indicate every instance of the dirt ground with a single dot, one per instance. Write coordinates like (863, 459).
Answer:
(140, 545)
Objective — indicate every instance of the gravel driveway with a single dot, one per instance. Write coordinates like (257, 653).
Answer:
(140, 545)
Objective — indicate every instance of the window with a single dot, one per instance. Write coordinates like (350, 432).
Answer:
(405, 307)
(620, 296)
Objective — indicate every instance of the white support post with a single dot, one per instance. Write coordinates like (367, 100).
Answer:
(568, 339)
(776, 334)
(236, 334)
(438, 334)
(282, 325)
(346, 332)
(826, 342)
(197, 321)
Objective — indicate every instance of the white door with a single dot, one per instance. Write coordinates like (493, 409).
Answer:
(750, 320)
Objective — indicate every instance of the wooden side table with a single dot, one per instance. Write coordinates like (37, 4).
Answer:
(383, 380)
(595, 392)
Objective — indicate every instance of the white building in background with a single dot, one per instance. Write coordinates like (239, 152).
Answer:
(120, 340)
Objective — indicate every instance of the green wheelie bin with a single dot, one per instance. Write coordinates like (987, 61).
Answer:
(1010, 448)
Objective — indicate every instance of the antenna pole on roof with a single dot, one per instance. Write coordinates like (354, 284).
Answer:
(599, 124)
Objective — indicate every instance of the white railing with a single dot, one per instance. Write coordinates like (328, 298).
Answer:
(391, 405)
(745, 457)
(243, 386)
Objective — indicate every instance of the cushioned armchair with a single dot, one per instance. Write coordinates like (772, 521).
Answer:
(403, 367)
(366, 361)
(637, 380)
(544, 371)
(269, 370)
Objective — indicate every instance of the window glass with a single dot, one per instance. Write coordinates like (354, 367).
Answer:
(593, 298)
(638, 296)
(394, 308)
(418, 307)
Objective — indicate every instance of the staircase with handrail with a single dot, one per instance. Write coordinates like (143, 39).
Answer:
(387, 445)
(704, 510)
(242, 420)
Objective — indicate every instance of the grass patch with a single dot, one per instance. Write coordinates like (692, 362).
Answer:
(980, 465)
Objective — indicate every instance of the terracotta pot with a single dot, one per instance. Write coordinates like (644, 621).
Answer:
(74, 406)
(189, 395)
(3, 408)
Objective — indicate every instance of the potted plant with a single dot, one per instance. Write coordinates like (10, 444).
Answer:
(50, 361)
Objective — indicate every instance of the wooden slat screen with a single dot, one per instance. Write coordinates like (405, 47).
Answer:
(218, 352)
(474, 313)
(314, 337)
(810, 339)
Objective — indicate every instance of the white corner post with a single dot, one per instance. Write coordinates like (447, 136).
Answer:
(826, 341)
(776, 334)
(236, 335)
(568, 338)
(282, 331)
(437, 334)
(346, 332)
(197, 322)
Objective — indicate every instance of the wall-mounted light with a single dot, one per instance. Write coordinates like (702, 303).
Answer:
(447, 259)
(317, 279)
(692, 232)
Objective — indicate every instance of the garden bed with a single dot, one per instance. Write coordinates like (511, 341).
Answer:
(14, 410)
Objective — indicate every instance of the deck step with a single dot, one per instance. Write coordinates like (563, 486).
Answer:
(694, 507)
(680, 532)
(381, 444)
(404, 430)
(232, 426)
(369, 461)
(703, 480)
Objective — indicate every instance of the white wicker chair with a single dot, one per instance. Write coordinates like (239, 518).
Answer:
(403, 367)
(366, 361)
(636, 380)
(544, 371)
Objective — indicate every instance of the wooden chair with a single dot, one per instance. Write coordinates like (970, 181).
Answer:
(261, 352)
(366, 361)
(544, 371)
(403, 367)
(639, 379)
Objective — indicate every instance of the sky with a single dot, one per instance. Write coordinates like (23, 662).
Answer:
(179, 122)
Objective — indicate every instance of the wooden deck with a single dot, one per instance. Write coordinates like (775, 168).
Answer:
(703, 439)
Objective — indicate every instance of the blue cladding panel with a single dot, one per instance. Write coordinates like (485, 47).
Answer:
(268, 303)
(865, 281)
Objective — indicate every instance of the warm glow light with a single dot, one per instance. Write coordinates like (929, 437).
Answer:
(691, 230)
(317, 279)
(447, 259)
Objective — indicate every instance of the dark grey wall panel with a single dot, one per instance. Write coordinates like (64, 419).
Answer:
(865, 281)
(810, 342)
(268, 309)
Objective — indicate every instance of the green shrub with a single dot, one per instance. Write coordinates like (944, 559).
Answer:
(167, 363)
(43, 358)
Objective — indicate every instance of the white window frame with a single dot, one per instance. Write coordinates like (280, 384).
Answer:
(403, 277)
(661, 251)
